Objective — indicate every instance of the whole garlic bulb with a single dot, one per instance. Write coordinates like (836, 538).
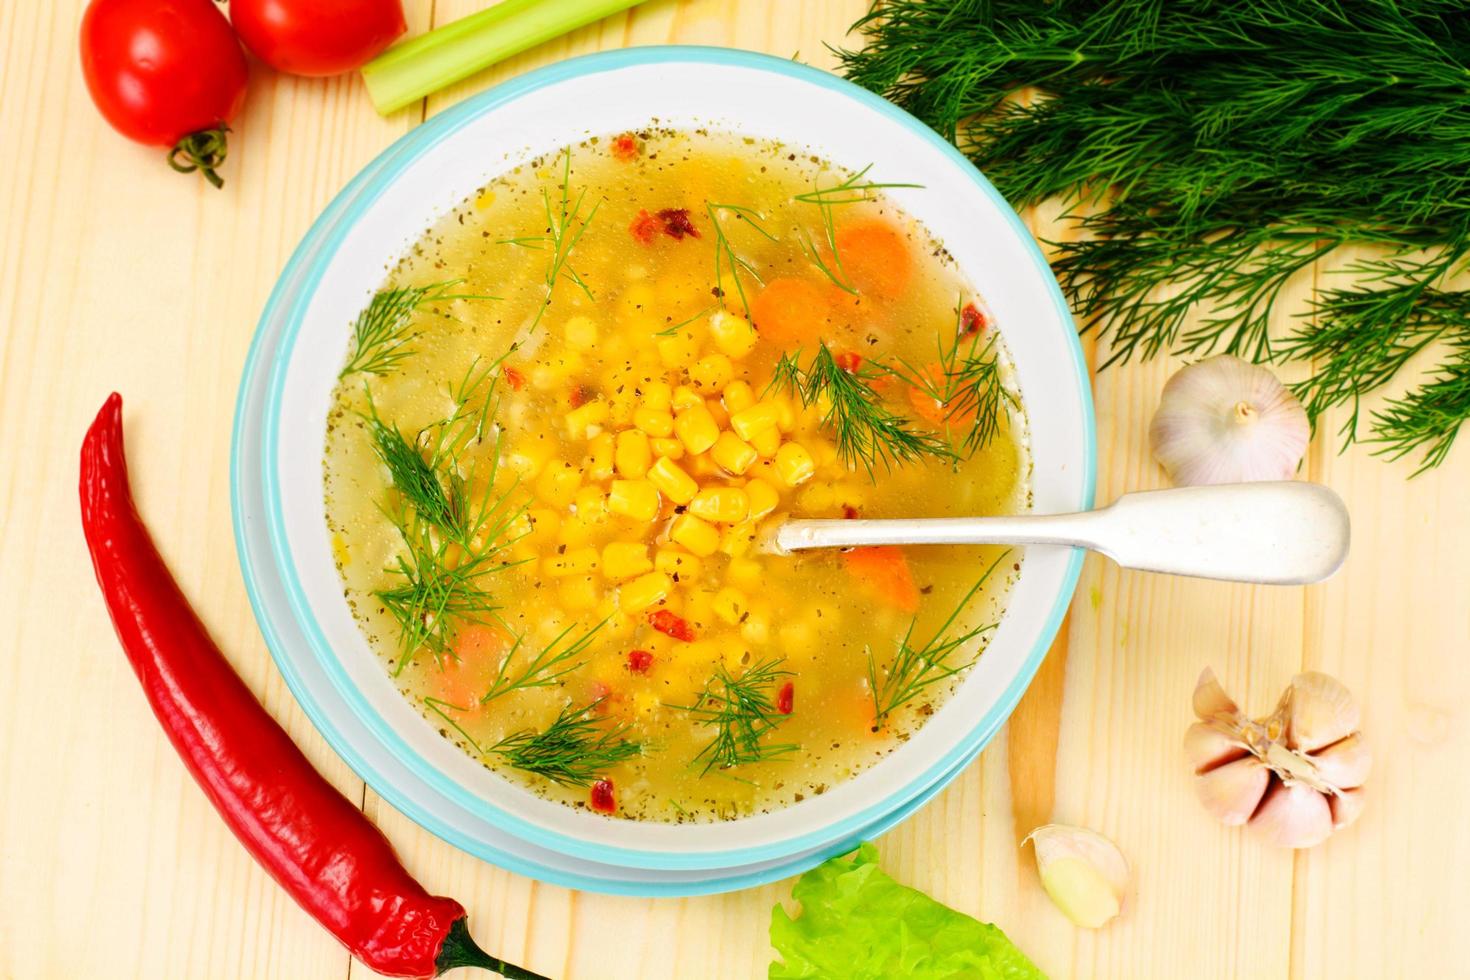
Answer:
(1225, 420)
(1294, 776)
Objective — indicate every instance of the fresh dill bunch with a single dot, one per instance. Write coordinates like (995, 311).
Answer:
(546, 666)
(576, 749)
(966, 381)
(727, 259)
(742, 711)
(916, 667)
(383, 334)
(851, 190)
(1207, 153)
(867, 431)
(565, 225)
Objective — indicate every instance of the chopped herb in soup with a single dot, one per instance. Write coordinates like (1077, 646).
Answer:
(569, 418)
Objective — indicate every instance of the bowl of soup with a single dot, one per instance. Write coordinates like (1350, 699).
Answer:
(528, 402)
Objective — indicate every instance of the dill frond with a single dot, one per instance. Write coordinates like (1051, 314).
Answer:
(547, 666)
(727, 260)
(576, 749)
(916, 667)
(565, 226)
(742, 711)
(868, 433)
(383, 334)
(1206, 155)
(851, 190)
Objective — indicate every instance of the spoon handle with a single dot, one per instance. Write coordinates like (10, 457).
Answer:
(1285, 533)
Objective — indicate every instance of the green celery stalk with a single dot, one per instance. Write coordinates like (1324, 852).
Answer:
(409, 71)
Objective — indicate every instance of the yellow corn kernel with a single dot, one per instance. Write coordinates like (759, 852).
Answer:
(633, 498)
(598, 464)
(733, 453)
(573, 561)
(696, 428)
(644, 591)
(818, 496)
(794, 464)
(766, 443)
(738, 396)
(681, 566)
(732, 334)
(655, 422)
(685, 397)
(634, 299)
(575, 532)
(755, 629)
(672, 481)
(718, 413)
(545, 522)
(696, 535)
(851, 495)
(657, 395)
(730, 605)
(757, 418)
(581, 332)
(738, 539)
(672, 448)
(822, 450)
(557, 484)
(591, 504)
(632, 455)
(762, 496)
(701, 606)
(702, 465)
(745, 572)
(625, 559)
(785, 413)
(711, 372)
(679, 350)
(526, 463)
(723, 505)
(585, 421)
(578, 593)
(798, 638)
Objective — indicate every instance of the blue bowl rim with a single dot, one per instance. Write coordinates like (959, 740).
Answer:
(307, 265)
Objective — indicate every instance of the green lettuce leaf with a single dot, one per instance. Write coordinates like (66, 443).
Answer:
(857, 923)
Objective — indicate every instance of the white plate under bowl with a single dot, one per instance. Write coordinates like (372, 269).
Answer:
(299, 347)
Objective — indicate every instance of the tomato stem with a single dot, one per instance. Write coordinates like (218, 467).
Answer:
(203, 151)
(460, 950)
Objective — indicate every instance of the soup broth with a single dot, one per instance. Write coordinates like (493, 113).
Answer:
(571, 417)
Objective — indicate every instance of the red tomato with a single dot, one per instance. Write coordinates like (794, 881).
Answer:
(317, 37)
(166, 73)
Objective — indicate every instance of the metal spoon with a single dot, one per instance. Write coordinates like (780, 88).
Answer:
(1287, 533)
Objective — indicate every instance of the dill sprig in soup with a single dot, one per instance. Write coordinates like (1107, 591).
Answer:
(566, 422)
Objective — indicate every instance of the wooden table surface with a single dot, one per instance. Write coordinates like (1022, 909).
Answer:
(118, 274)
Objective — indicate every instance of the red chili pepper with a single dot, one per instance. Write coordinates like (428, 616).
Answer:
(514, 378)
(316, 844)
(601, 798)
(972, 321)
(849, 512)
(672, 625)
(850, 361)
(677, 223)
(643, 228)
(578, 396)
(625, 148)
(786, 698)
(639, 661)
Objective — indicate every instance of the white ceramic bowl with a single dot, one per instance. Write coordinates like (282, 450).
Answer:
(302, 339)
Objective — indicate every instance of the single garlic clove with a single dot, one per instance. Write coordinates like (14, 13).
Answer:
(1344, 764)
(1225, 420)
(1293, 815)
(1208, 746)
(1232, 792)
(1210, 700)
(1346, 807)
(1083, 872)
(1322, 711)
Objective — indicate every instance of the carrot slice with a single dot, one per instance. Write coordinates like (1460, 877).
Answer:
(790, 312)
(933, 410)
(465, 676)
(875, 257)
(884, 571)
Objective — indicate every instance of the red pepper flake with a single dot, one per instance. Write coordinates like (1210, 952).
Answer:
(601, 798)
(625, 148)
(671, 625)
(578, 396)
(514, 378)
(643, 228)
(786, 698)
(639, 661)
(972, 321)
(849, 512)
(677, 224)
(850, 361)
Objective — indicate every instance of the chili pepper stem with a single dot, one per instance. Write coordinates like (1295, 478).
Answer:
(460, 950)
